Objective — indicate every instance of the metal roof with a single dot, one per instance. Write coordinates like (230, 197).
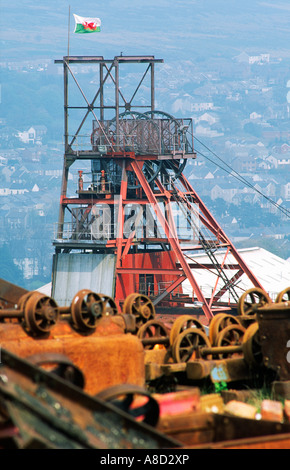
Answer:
(272, 271)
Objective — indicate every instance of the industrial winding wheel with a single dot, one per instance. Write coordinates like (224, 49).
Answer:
(145, 127)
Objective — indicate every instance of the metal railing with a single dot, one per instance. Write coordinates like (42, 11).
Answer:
(71, 232)
(148, 137)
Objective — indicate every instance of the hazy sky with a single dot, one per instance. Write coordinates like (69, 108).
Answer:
(183, 28)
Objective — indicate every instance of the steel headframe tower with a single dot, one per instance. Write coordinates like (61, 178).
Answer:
(135, 223)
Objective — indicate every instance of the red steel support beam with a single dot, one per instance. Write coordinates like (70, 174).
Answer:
(216, 284)
(233, 279)
(175, 272)
(120, 235)
(169, 290)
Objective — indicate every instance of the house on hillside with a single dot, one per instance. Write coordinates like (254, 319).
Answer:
(242, 58)
(284, 161)
(18, 188)
(272, 160)
(285, 191)
(27, 136)
(32, 135)
(208, 118)
(226, 192)
(244, 163)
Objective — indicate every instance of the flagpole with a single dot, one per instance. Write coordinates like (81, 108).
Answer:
(68, 33)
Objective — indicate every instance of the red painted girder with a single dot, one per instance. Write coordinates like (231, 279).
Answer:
(223, 290)
(122, 196)
(210, 266)
(174, 272)
(95, 200)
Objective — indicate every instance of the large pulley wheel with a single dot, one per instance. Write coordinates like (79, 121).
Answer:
(173, 169)
(170, 169)
(218, 323)
(251, 300)
(41, 313)
(87, 308)
(283, 296)
(252, 348)
(134, 123)
(232, 335)
(153, 330)
(145, 408)
(150, 169)
(60, 365)
(183, 323)
(187, 345)
(141, 306)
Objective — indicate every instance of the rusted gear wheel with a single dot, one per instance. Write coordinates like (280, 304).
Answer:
(141, 306)
(283, 296)
(232, 335)
(183, 323)
(123, 396)
(187, 344)
(87, 308)
(152, 329)
(251, 300)
(41, 313)
(252, 346)
(218, 323)
(110, 305)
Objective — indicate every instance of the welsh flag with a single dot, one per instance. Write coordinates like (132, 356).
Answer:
(87, 25)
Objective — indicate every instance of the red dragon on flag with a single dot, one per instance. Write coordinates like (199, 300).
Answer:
(86, 25)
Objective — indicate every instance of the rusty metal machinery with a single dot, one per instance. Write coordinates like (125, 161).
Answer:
(153, 333)
(247, 340)
(140, 306)
(232, 349)
(243, 347)
(39, 313)
(90, 333)
(39, 410)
